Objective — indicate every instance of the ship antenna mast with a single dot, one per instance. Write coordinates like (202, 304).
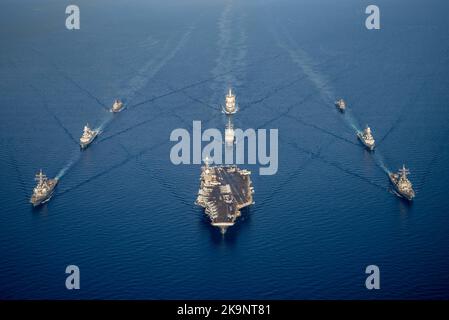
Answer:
(206, 161)
(40, 177)
(404, 171)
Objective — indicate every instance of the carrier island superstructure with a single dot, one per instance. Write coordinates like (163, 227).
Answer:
(224, 191)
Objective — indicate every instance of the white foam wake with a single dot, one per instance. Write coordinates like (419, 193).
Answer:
(74, 159)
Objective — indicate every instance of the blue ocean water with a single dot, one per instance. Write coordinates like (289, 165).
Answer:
(125, 214)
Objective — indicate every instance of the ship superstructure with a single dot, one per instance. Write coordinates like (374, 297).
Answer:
(229, 133)
(367, 138)
(117, 106)
(341, 105)
(43, 191)
(224, 191)
(402, 184)
(88, 136)
(230, 106)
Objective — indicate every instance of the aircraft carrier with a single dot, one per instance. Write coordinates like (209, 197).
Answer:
(223, 192)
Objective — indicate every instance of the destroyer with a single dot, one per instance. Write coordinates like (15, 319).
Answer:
(88, 136)
(43, 191)
(367, 138)
(401, 183)
(223, 192)
(117, 106)
(341, 105)
(230, 105)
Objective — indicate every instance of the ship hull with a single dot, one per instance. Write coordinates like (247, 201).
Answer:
(37, 201)
(117, 109)
(370, 147)
(84, 145)
(229, 112)
(402, 194)
(340, 107)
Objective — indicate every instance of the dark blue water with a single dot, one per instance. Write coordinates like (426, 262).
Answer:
(124, 213)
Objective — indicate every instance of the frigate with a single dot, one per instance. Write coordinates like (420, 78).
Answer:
(230, 106)
(88, 136)
(367, 138)
(341, 105)
(117, 106)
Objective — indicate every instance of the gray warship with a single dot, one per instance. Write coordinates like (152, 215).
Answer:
(229, 134)
(401, 183)
(117, 106)
(223, 192)
(341, 105)
(367, 138)
(230, 106)
(44, 189)
(88, 136)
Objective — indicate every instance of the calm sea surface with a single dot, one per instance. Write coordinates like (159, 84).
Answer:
(125, 214)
